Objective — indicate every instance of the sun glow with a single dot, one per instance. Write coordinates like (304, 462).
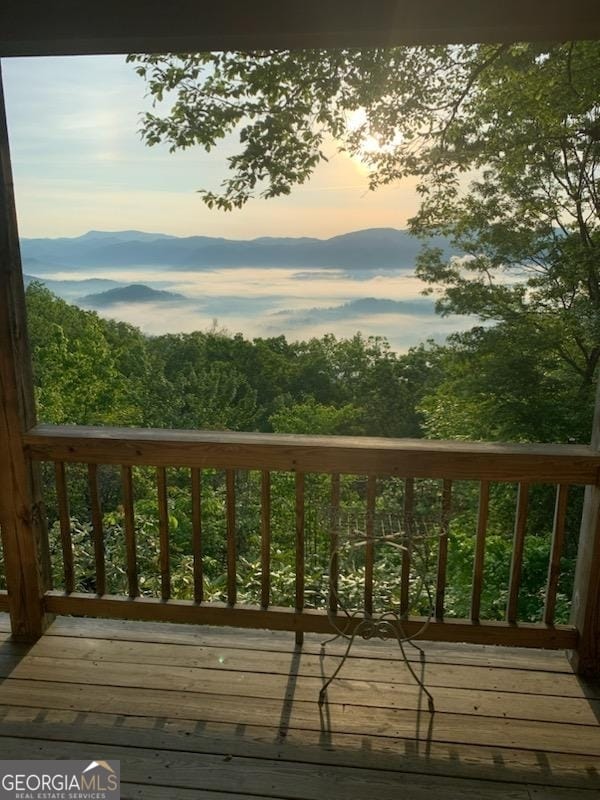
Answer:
(371, 144)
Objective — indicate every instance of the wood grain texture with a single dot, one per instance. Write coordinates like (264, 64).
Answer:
(265, 539)
(219, 708)
(334, 540)
(516, 566)
(299, 517)
(243, 654)
(303, 746)
(272, 684)
(22, 516)
(129, 531)
(231, 538)
(408, 526)
(299, 564)
(131, 791)
(585, 610)
(196, 479)
(97, 528)
(442, 564)
(558, 539)
(284, 619)
(163, 532)
(408, 458)
(187, 713)
(28, 28)
(256, 777)
(64, 517)
(478, 562)
(370, 542)
(487, 656)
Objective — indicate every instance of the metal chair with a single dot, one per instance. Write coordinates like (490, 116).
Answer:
(350, 624)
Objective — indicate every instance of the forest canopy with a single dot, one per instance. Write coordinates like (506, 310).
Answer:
(505, 144)
(504, 141)
(89, 370)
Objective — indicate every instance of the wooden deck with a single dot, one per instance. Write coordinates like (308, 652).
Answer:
(221, 714)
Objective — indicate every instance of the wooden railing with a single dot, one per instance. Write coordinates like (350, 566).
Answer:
(3, 592)
(525, 465)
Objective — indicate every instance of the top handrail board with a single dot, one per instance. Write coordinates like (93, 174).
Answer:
(178, 435)
(419, 458)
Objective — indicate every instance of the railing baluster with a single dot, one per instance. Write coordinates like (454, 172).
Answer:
(299, 549)
(98, 528)
(65, 525)
(478, 561)
(265, 539)
(334, 543)
(558, 538)
(162, 451)
(517, 554)
(231, 543)
(196, 478)
(163, 526)
(440, 590)
(128, 512)
(370, 545)
(408, 518)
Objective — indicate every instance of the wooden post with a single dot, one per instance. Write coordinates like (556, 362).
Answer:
(22, 518)
(585, 610)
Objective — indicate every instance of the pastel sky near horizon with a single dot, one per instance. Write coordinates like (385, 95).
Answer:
(79, 164)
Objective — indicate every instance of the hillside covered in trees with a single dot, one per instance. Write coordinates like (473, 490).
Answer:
(506, 167)
(488, 383)
(499, 383)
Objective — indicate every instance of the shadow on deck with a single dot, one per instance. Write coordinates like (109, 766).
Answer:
(221, 714)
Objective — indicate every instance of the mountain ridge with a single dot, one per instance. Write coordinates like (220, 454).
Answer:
(132, 293)
(371, 248)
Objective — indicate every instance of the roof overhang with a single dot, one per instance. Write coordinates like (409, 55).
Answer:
(77, 27)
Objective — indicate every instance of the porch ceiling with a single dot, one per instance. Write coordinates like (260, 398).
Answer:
(65, 27)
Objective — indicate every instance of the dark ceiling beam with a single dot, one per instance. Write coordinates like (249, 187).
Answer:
(62, 27)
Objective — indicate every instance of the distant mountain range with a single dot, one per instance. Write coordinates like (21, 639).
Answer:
(374, 248)
(71, 289)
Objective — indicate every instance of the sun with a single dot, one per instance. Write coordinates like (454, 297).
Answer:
(373, 145)
(370, 144)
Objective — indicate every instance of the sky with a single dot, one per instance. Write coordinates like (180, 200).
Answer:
(79, 164)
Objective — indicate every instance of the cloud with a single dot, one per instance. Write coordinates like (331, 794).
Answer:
(402, 330)
(270, 302)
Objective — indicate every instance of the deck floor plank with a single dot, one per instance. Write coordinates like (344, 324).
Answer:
(282, 641)
(219, 714)
(313, 747)
(134, 791)
(247, 685)
(270, 778)
(390, 671)
(458, 728)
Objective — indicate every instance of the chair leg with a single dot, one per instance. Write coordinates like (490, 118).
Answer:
(418, 680)
(323, 691)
